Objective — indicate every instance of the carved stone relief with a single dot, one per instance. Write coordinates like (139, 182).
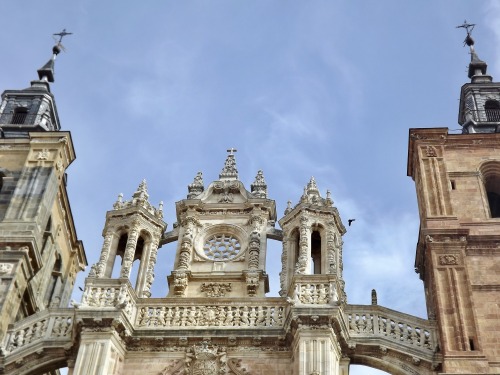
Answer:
(6, 268)
(215, 289)
(448, 260)
(206, 359)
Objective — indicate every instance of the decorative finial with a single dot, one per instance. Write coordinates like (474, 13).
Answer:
(374, 297)
(141, 192)
(196, 187)
(328, 200)
(229, 172)
(259, 186)
(119, 202)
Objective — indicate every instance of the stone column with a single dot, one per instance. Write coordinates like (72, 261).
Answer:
(146, 270)
(284, 267)
(150, 275)
(143, 269)
(128, 256)
(303, 266)
(108, 253)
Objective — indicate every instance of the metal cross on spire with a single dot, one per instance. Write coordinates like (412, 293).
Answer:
(232, 150)
(61, 35)
(468, 27)
(58, 47)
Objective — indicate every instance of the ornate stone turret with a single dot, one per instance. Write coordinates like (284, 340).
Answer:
(132, 231)
(222, 235)
(311, 278)
(480, 99)
(312, 249)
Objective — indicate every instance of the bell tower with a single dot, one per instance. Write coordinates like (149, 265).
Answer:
(222, 232)
(457, 178)
(40, 253)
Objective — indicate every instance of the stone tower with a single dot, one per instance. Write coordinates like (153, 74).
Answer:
(457, 177)
(40, 253)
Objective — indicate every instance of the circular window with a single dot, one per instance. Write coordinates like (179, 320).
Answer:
(221, 247)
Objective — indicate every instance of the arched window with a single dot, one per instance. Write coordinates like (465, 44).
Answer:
(492, 109)
(20, 115)
(315, 253)
(491, 179)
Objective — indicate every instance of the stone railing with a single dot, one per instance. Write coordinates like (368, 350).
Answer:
(172, 314)
(54, 325)
(373, 321)
(313, 294)
(109, 293)
(314, 290)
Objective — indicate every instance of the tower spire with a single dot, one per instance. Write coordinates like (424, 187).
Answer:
(46, 72)
(477, 67)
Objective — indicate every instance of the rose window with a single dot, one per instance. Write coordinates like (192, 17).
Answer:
(221, 247)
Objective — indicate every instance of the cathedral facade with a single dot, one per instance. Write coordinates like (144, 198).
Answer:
(216, 318)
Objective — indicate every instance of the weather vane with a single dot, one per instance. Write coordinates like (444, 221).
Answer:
(468, 27)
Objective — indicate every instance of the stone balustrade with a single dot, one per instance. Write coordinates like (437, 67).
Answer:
(375, 321)
(213, 314)
(109, 293)
(54, 325)
(314, 290)
(314, 293)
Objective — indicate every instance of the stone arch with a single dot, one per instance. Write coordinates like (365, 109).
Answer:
(43, 364)
(392, 365)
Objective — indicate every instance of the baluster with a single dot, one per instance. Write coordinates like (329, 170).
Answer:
(376, 322)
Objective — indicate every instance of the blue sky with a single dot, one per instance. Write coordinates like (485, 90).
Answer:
(160, 89)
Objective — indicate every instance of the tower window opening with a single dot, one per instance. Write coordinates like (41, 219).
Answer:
(19, 116)
(453, 184)
(492, 109)
(471, 344)
(315, 253)
(120, 251)
(26, 307)
(493, 192)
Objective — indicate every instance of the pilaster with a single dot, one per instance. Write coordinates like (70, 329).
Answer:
(101, 352)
